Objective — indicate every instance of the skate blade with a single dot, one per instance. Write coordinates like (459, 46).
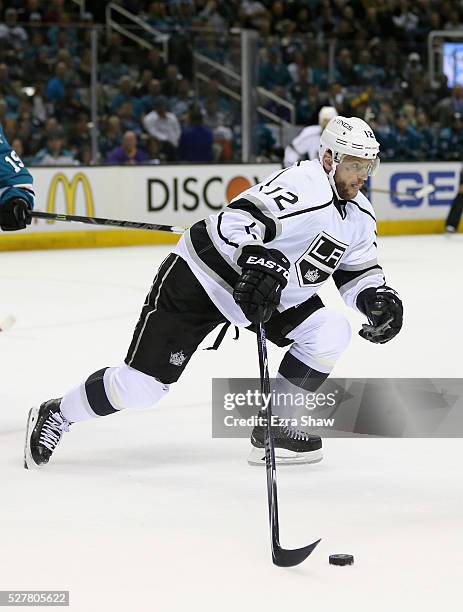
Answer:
(284, 456)
(29, 462)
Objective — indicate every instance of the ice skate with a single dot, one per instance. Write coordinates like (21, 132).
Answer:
(291, 446)
(45, 427)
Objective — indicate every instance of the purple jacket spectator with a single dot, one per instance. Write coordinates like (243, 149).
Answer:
(128, 152)
(196, 140)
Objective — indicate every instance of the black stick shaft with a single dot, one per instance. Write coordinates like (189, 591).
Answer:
(173, 229)
(269, 444)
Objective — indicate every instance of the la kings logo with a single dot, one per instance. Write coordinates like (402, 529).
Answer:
(320, 260)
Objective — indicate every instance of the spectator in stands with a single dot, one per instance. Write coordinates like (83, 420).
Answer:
(70, 107)
(154, 91)
(413, 68)
(141, 88)
(345, 67)
(454, 21)
(32, 12)
(321, 70)
(181, 103)
(126, 94)
(78, 134)
(13, 36)
(40, 106)
(10, 127)
(155, 63)
(56, 86)
(450, 139)
(405, 21)
(171, 82)
(299, 64)
(309, 105)
(406, 142)
(273, 72)
(250, 12)
(111, 135)
(113, 70)
(127, 117)
(157, 16)
(84, 67)
(54, 154)
(213, 95)
(210, 46)
(447, 107)
(428, 148)
(6, 86)
(366, 73)
(128, 152)
(211, 17)
(196, 140)
(17, 145)
(304, 77)
(165, 127)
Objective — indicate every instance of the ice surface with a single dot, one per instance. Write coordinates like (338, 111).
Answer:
(144, 511)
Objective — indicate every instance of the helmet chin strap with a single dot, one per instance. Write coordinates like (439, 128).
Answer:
(331, 180)
(331, 174)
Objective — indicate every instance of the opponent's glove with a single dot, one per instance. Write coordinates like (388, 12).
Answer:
(14, 215)
(384, 310)
(263, 277)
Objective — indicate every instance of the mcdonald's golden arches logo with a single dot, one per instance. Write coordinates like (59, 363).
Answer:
(70, 190)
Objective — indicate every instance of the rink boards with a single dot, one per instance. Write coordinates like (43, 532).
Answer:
(180, 195)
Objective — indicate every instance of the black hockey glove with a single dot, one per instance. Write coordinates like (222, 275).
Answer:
(384, 310)
(14, 215)
(263, 277)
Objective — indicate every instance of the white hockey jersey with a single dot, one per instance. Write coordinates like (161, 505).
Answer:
(295, 211)
(306, 143)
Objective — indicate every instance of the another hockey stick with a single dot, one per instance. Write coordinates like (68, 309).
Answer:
(420, 193)
(281, 556)
(36, 214)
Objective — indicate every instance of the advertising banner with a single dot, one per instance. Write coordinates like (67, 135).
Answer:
(402, 180)
(173, 195)
(181, 195)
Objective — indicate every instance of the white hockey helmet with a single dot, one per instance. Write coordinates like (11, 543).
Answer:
(326, 113)
(349, 136)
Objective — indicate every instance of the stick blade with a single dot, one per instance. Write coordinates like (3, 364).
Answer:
(288, 558)
(424, 191)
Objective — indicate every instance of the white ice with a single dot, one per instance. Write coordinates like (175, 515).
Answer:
(145, 511)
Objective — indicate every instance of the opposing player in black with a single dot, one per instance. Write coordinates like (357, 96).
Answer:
(262, 258)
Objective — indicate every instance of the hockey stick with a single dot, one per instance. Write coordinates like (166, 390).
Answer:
(36, 214)
(420, 193)
(281, 556)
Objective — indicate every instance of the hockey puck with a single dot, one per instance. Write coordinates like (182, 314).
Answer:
(341, 559)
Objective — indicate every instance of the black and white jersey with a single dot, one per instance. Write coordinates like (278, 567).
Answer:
(295, 211)
(306, 144)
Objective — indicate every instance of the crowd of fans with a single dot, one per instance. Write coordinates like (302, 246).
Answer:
(150, 109)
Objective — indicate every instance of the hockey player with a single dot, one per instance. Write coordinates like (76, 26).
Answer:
(307, 143)
(456, 210)
(262, 258)
(16, 192)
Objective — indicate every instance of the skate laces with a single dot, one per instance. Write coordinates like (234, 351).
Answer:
(295, 434)
(52, 430)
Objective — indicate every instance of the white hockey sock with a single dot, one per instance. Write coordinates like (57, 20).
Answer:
(110, 390)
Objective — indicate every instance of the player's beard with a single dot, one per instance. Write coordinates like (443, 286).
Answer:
(347, 190)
